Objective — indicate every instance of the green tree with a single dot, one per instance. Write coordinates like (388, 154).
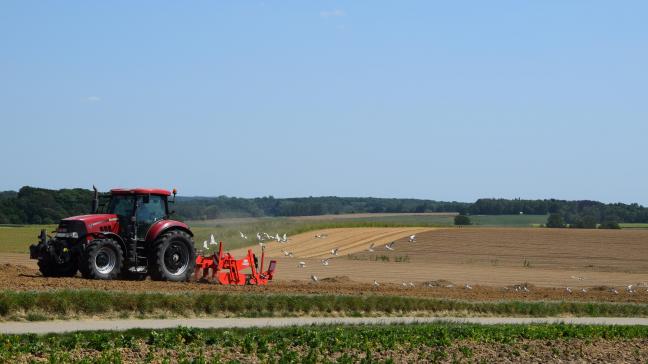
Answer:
(555, 220)
(462, 220)
(610, 224)
(589, 222)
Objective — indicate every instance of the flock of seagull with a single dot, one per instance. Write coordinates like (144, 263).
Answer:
(263, 237)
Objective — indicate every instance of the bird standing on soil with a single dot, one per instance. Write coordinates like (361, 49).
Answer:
(577, 278)
(390, 246)
(259, 237)
(411, 284)
(334, 251)
(284, 238)
(301, 264)
(467, 286)
(371, 247)
(569, 290)
(375, 283)
(314, 278)
(412, 238)
(584, 290)
(325, 261)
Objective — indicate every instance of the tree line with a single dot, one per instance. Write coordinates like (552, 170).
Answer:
(32, 205)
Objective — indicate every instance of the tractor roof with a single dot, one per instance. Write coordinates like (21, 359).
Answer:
(140, 191)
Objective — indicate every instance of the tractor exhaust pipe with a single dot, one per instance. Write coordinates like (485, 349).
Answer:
(95, 200)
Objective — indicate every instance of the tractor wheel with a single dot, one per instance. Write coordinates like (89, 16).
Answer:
(173, 257)
(50, 268)
(103, 259)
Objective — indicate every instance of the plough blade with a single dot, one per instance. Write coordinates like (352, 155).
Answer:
(224, 268)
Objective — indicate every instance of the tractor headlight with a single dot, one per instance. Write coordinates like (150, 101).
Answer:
(72, 235)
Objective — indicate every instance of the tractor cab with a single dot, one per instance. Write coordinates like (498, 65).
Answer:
(137, 209)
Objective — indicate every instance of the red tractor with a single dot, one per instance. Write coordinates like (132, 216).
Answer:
(129, 235)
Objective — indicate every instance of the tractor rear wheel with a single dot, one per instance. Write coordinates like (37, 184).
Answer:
(50, 268)
(102, 259)
(173, 257)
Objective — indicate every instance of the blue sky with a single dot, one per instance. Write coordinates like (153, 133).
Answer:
(441, 100)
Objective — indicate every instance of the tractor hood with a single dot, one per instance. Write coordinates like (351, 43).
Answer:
(92, 219)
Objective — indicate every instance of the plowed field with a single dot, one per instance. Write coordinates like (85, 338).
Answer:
(491, 260)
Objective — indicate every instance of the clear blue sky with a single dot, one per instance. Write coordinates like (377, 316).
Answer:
(443, 100)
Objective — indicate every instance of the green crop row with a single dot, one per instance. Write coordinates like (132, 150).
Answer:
(305, 344)
(78, 303)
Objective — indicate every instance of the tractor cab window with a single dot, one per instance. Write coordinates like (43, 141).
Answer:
(121, 205)
(149, 210)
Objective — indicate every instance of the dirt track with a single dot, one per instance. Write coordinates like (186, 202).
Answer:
(490, 260)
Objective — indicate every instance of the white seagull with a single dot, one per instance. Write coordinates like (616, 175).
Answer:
(301, 264)
(243, 236)
(334, 251)
(259, 237)
(205, 245)
(390, 246)
(375, 283)
(412, 238)
(277, 238)
(284, 238)
(569, 290)
(467, 286)
(325, 261)
(212, 240)
(314, 278)
(371, 247)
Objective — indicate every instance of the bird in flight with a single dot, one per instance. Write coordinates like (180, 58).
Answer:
(325, 261)
(243, 236)
(390, 246)
(212, 240)
(301, 264)
(205, 245)
(314, 278)
(334, 251)
(371, 247)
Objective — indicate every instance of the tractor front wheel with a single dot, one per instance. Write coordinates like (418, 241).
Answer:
(102, 259)
(50, 268)
(173, 257)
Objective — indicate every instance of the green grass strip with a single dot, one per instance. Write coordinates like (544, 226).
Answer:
(52, 304)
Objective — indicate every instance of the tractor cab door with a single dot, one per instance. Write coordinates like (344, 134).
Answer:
(150, 209)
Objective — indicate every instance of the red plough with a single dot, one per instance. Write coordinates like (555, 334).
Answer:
(228, 270)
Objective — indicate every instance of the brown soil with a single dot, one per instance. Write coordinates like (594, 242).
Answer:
(490, 260)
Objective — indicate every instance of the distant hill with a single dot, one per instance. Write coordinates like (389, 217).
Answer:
(33, 205)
